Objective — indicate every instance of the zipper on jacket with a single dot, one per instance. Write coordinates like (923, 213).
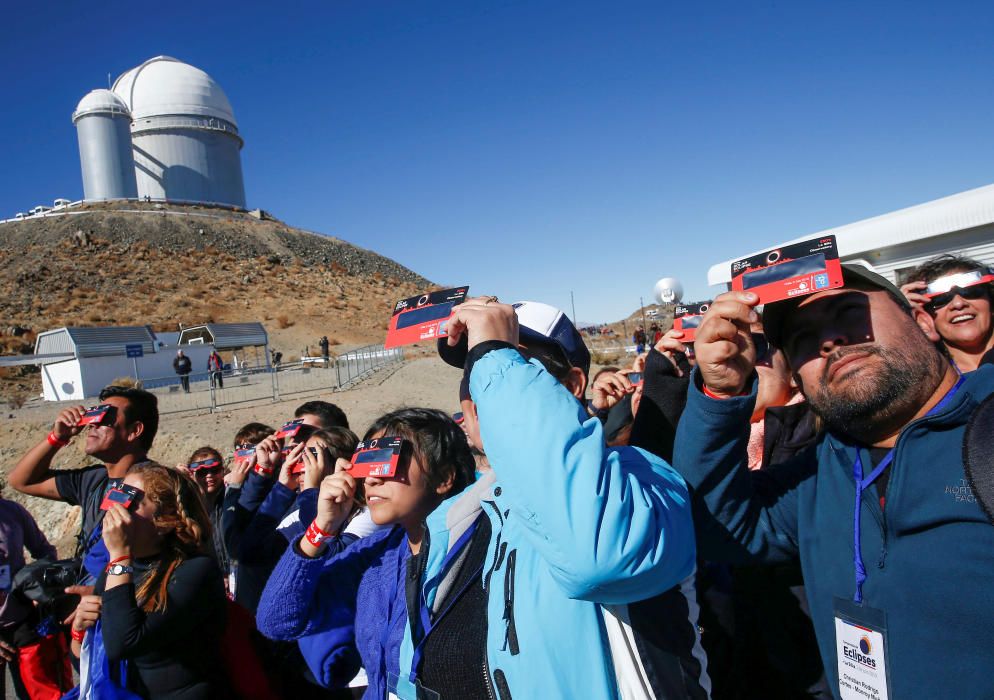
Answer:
(499, 547)
(883, 544)
(503, 690)
(510, 631)
(486, 679)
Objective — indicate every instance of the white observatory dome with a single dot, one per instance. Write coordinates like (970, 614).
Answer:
(101, 100)
(166, 86)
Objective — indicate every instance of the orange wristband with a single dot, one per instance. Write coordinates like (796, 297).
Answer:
(710, 394)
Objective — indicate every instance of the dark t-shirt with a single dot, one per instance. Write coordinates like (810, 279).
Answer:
(85, 487)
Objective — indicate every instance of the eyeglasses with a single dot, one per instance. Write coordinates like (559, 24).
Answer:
(968, 285)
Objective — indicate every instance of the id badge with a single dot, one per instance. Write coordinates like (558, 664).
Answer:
(5, 578)
(861, 651)
(398, 689)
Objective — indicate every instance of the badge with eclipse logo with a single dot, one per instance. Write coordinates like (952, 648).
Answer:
(861, 660)
(423, 317)
(790, 271)
(377, 457)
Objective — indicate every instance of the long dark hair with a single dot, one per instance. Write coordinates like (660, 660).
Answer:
(182, 518)
(438, 442)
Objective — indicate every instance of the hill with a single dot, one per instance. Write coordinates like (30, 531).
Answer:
(163, 265)
(607, 342)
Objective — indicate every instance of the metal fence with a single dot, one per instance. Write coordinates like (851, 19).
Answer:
(209, 393)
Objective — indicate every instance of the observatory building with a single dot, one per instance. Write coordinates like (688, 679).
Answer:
(164, 131)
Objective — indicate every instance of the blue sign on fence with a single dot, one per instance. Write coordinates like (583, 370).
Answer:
(134, 350)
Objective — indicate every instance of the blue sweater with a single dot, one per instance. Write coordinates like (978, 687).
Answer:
(342, 608)
(929, 555)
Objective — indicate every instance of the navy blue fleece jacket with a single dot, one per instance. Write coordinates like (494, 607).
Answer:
(929, 555)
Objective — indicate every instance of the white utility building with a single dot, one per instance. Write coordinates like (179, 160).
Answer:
(894, 244)
(88, 359)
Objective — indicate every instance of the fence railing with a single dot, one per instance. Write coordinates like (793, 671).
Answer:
(207, 391)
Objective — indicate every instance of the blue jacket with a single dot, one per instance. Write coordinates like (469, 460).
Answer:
(576, 530)
(929, 555)
(341, 608)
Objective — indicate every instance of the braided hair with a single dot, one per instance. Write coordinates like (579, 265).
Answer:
(181, 517)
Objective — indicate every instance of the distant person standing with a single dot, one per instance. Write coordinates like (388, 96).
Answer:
(215, 366)
(324, 347)
(638, 337)
(182, 366)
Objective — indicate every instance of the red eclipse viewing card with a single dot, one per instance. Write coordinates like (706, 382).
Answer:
(376, 457)
(423, 317)
(687, 317)
(790, 271)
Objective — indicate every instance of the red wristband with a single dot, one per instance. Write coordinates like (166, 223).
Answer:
(712, 395)
(315, 535)
(77, 635)
(55, 441)
(116, 561)
(263, 471)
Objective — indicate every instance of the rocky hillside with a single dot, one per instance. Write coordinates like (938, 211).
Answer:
(139, 264)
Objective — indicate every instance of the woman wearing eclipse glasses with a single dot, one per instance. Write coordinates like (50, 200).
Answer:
(206, 466)
(153, 627)
(955, 293)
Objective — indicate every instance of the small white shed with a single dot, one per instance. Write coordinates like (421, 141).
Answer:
(91, 358)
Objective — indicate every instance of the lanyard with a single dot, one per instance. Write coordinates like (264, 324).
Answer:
(427, 623)
(864, 483)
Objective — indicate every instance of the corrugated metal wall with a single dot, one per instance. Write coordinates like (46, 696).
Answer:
(189, 164)
(227, 335)
(104, 342)
(105, 156)
(977, 243)
(54, 342)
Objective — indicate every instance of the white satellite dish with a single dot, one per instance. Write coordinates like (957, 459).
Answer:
(668, 291)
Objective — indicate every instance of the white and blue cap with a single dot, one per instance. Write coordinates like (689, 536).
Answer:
(547, 324)
(538, 323)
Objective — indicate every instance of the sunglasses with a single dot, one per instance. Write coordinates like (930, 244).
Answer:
(968, 285)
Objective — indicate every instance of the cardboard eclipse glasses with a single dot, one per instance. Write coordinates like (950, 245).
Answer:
(206, 465)
(125, 495)
(97, 415)
(378, 457)
(969, 285)
(790, 271)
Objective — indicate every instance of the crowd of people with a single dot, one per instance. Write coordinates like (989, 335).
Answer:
(782, 509)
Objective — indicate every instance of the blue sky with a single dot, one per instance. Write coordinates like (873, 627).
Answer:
(533, 148)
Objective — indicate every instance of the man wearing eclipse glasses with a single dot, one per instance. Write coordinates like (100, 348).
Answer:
(955, 293)
(118, 433)
(896, 552)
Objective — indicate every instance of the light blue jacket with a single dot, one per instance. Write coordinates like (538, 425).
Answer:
(576, 527)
